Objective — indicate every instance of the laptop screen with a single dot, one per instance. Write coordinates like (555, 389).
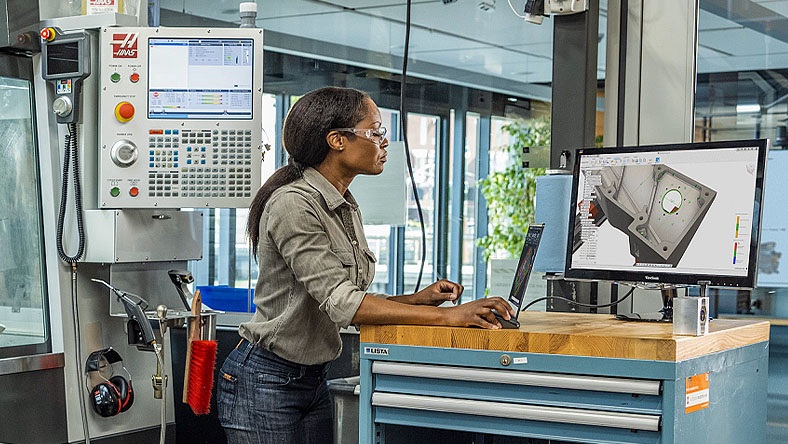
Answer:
(520, 283)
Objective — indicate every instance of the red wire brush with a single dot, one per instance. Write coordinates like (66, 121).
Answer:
(200, 362)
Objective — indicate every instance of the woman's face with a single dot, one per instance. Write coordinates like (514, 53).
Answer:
(365, 151)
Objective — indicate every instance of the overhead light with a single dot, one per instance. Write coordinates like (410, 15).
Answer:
(748, 108)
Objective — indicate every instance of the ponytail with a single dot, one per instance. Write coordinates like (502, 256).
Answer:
(282, 176)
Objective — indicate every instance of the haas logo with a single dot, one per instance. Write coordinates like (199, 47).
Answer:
(124, 45)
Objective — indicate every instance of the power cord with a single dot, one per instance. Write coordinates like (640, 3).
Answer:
(71, 155)
(580, 304)
(78, 354)
(515, 11)
(404, 126)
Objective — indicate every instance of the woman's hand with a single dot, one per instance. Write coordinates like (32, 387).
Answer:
(437, 293)
(479, 313)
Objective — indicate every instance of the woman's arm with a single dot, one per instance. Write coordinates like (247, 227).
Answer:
(295, 231)
(477, 313)
(436, 294)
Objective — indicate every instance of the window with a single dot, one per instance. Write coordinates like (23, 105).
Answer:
(242, 263)
(499, 140)
(423, 141)
(225, 244)
(743, 94)
(472, 136)
(379, 237)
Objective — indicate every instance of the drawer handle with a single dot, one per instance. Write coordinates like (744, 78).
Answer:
(537, 379)
(632, 421)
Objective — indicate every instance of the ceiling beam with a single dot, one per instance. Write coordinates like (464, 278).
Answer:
(750, 15)
(332, 52)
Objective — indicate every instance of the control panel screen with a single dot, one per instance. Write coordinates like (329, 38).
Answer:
(63, 59)
(194, 78)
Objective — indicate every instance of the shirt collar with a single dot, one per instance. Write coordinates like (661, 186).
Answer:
(327, 190)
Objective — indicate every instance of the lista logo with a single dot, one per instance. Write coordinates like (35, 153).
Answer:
(376, 351)
(124, 45)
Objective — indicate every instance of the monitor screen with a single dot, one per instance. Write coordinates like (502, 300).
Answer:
(676, 214)
(193, 78)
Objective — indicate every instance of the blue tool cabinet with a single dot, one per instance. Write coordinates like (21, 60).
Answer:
(582, 378)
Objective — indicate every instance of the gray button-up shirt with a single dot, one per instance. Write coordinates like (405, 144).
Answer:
(315, 267)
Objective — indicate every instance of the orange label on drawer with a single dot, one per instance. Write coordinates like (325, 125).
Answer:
(697, 393)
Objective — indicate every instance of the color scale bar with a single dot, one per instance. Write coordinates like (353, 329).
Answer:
(735, 246)
(737, 227)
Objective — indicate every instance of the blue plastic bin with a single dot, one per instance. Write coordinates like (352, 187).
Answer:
(225, 298)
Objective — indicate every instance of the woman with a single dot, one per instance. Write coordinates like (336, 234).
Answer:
(315, 265)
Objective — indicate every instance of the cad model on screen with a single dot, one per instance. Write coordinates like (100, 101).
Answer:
(669, 211)
(659, 209)
(180, 115)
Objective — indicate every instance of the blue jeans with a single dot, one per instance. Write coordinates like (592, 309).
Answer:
(264, 399)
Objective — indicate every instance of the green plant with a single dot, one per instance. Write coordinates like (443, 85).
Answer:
(510, 193)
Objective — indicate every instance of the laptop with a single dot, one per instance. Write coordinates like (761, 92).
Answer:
(524, 267)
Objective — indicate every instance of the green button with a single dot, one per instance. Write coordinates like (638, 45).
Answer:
(115, 78)
(114, 192)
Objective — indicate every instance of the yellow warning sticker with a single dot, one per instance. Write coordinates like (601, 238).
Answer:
(697, 393)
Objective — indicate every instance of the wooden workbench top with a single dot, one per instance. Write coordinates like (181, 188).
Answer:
(578, 334)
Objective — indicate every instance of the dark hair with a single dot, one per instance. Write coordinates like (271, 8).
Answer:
(304, 138)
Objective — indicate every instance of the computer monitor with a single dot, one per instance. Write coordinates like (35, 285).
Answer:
(668, 214)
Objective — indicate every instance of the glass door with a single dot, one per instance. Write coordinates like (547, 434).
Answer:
(23, 304)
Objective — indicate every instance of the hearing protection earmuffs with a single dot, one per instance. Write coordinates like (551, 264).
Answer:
(114, 395)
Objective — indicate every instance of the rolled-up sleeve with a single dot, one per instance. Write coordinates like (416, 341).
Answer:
(296, 231)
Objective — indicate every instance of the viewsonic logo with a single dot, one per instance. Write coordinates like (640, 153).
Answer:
(651, 278)
(124, 45)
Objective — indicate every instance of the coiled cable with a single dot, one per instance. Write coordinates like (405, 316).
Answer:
(71, 153)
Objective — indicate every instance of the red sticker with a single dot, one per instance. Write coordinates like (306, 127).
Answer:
(124, 45)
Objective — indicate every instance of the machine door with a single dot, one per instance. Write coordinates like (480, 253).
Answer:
(23, 306)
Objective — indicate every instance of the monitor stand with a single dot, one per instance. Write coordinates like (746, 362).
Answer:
(664, 315)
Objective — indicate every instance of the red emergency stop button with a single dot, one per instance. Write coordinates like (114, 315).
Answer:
(134, 192)
(124, 111)
(134, 78)
(48, 34)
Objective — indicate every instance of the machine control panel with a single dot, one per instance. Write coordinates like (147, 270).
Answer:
(180, 117)
(65, 63)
